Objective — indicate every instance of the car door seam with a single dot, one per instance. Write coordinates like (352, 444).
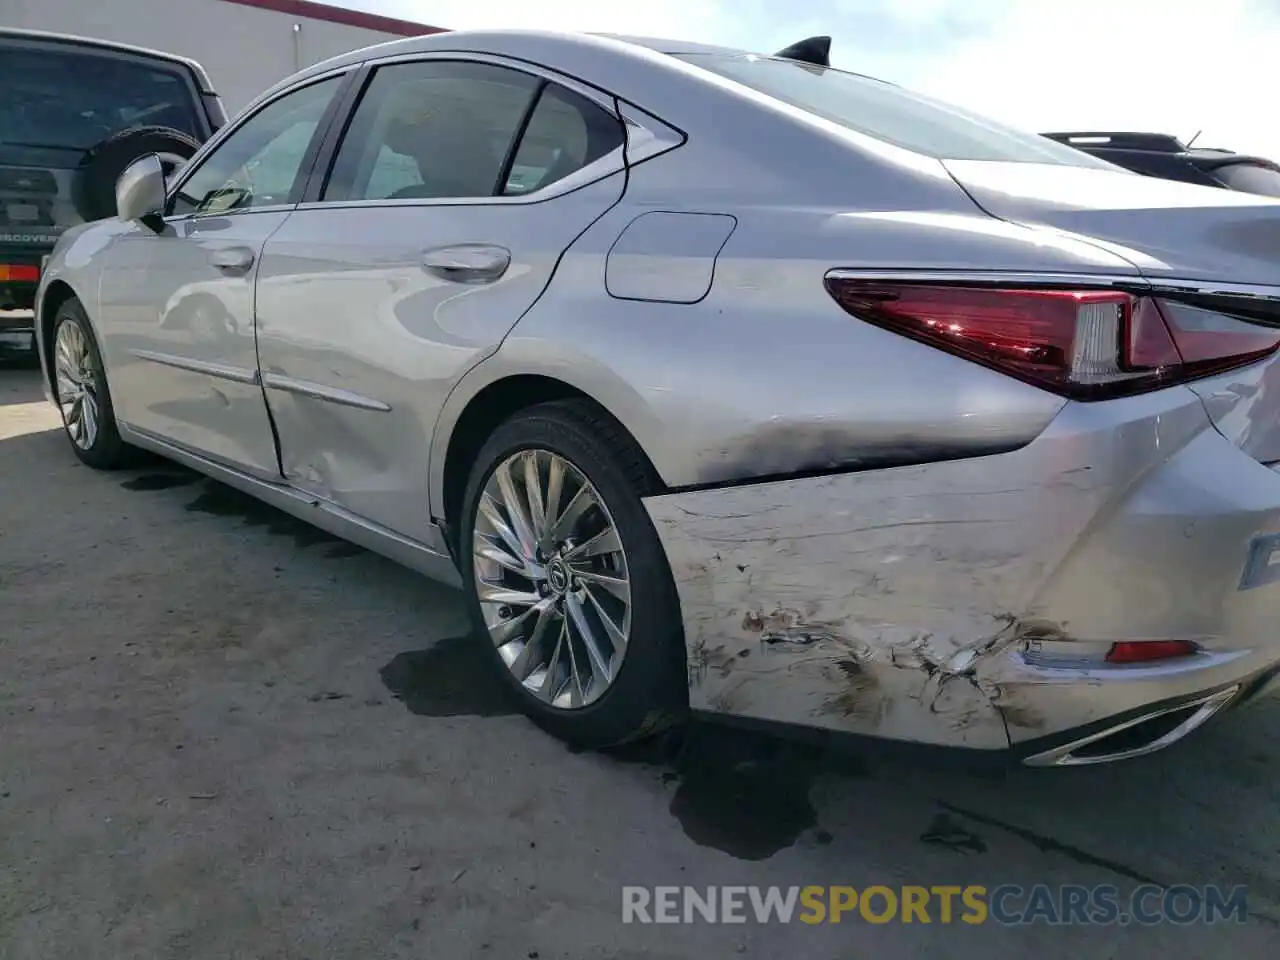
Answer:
(257, 344)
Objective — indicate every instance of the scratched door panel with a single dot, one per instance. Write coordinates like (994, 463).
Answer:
(456, 188)
(360, 343)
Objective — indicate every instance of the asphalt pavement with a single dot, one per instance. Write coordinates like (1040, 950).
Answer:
(224, 733)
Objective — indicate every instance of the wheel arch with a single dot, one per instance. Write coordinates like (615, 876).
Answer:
(56, 293)
(487, 397)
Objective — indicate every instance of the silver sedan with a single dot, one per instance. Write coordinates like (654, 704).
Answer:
(720, 382)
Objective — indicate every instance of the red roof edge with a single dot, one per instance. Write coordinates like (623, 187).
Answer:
(309, 10)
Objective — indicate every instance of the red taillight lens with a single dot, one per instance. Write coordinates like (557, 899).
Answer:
(21, 274)
(1086, 344)
(1208, 342)
(1144, 651)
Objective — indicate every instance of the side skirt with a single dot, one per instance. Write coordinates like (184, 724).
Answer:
(431, 560)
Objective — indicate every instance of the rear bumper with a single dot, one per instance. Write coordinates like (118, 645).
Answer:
(970, 603)
(17, 330)
(1145, 729)
(18, 290)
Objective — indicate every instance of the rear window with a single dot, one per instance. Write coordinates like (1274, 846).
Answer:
(1250, 178)
(73, 99)
(889, 113)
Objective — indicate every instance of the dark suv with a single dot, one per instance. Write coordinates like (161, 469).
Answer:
(1166, 157)
(74, 113)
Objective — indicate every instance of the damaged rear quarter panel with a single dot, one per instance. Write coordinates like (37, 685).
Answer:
(893, 602)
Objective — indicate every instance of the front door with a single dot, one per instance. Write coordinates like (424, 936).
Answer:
(178, 302)
(438, 228)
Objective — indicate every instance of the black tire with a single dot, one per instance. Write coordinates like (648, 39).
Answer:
(108, 451)
(650, 691)
(93, 191)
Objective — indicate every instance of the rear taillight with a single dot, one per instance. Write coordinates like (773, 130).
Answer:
(1085, 344)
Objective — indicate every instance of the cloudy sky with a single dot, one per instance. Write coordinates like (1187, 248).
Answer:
(1177, 66)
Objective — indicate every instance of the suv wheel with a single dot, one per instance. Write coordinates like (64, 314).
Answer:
(94, 187)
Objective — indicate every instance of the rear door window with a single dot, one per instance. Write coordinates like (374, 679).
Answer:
(431, 130)
(565, 133)
(66, 101)
(446, 129)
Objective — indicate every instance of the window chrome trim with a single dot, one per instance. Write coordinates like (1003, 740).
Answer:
(195, 218)
(602, 168)
(594, 94)
(647, 136)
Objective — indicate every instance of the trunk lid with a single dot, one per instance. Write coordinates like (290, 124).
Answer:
(1167, 230)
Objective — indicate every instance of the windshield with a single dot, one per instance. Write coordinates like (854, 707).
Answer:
(70, 100)
(889, 113)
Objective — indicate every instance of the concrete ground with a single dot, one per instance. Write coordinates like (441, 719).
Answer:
(224, 734)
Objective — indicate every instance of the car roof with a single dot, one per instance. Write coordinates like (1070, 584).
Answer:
(675, 47)
(554, 48)
(483, 40)
(45, 36)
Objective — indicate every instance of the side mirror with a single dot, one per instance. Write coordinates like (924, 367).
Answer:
(140, 190)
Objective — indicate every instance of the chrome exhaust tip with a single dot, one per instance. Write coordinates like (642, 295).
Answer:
(1137, 737)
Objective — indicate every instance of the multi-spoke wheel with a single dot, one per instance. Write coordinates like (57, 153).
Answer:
(568, 579)
(551, 577)
(77, 387)
(80, 383)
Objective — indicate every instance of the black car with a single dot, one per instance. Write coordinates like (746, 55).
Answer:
(1160, 155)
(74, 114)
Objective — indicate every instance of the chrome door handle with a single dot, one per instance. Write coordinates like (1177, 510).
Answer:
(467, 262)
(233, 259)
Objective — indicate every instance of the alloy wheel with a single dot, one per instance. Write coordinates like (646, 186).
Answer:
(552, 578)
(77, 385)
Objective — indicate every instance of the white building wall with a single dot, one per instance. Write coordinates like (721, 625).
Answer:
(244, 49)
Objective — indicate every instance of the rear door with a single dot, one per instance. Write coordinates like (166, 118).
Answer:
(443, 214)
(57, 100)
